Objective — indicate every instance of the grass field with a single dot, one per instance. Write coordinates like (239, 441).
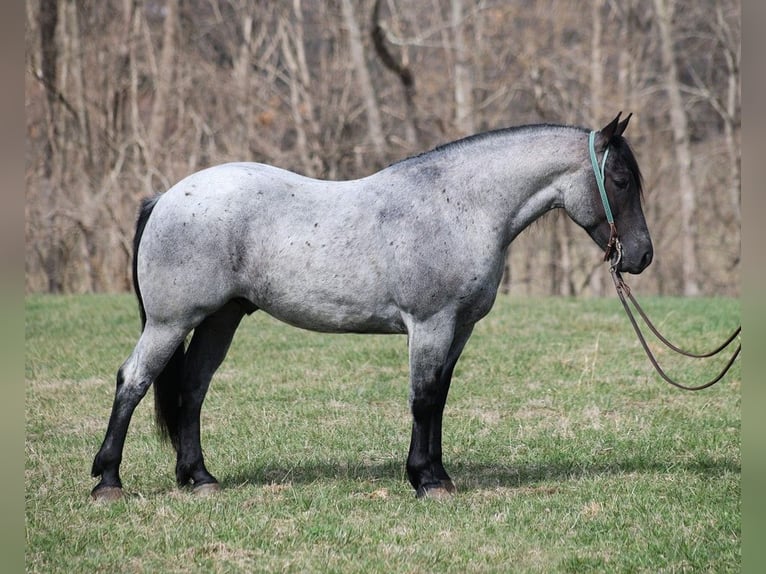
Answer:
(569, 454)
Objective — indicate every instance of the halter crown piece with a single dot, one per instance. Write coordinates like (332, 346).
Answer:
(598, 171)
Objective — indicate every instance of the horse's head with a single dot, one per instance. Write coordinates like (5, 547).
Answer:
(622, 184)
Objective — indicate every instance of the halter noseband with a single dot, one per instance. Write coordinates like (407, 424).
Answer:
(598, 171)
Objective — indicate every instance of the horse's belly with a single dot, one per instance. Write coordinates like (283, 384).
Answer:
(321, 277)
(335, 316)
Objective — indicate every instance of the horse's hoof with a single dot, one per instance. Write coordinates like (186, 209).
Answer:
(443, 491)
(449, 486)
(206, 489)
(106, 493)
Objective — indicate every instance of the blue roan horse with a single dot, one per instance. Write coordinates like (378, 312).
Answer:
(417, 248)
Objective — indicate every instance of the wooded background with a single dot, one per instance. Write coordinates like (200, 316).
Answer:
(126, 97)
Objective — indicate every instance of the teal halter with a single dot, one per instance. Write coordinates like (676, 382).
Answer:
(598, 171)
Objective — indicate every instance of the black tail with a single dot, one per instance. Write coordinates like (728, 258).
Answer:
(167, 386)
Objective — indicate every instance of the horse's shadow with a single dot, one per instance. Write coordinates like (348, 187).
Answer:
(476, 476)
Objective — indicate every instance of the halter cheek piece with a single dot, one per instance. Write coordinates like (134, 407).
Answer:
(614, 241)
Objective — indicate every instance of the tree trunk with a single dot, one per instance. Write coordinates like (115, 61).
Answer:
(730, 115)
(47, 22)
(241, 77)
(732, 145)
(304, 76)
(403, 73)
(135, 116)
(364, 82)
(682, 147)
(463, 85)
(79, 107)
(566, 285)
(164, 79)
(596, 280)
(297, 92)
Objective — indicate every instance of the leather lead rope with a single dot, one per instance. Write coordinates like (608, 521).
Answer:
(622, 291)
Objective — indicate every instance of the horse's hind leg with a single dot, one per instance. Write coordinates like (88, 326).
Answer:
(208, 347)
(151, 355)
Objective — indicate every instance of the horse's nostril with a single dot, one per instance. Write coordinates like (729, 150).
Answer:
(646, 259)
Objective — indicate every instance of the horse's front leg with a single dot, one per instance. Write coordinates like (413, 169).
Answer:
(434, 350)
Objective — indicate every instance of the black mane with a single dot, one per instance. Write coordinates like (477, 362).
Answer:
(620, 146)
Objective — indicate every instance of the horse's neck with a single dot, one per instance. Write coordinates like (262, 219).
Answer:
(523, 178)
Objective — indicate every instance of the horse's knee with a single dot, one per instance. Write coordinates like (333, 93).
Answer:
(132, 383)
(428, 394)
(120, 377)
(132, 391)
(424, 404)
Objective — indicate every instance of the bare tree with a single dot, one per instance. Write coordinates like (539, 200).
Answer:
(241, 75)
(679, 125)
(463, 84)
(291, 32)
(402, 71)
(596, 281)
(47, 22)
(164, 78)
(724, 95)
(364, 82)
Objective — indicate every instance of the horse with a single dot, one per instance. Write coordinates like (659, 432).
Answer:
(417, 248)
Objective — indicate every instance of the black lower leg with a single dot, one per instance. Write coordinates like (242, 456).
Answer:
(190, 464)
(435, 431)
(106, 464)
(205, 354)
(424, 463)
(418, 463)
(193, 474)
(425, 467)
(106, 467)
(435, 451)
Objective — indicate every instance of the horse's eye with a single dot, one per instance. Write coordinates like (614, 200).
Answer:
(621, 182)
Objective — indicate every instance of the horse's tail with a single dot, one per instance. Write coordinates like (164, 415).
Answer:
(167, 385)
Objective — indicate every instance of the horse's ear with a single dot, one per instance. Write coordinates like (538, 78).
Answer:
(606, 133)
(622, 125)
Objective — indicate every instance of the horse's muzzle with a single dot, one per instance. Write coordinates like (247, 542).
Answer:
(633, 265)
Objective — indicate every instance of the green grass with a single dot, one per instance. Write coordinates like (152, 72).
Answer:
(569, 454)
